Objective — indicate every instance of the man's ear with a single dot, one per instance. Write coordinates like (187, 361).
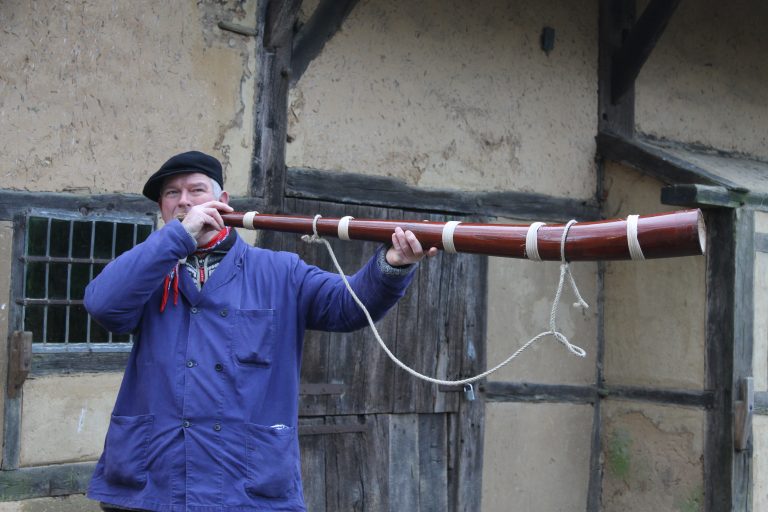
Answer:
(224, 197)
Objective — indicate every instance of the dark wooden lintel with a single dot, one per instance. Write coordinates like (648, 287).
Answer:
(77, 362)
(638, 45)
(530, 392)
(654, 161)
(13, 202)
(44, 481)
(388, 192)
(703, 196)
(319, 29)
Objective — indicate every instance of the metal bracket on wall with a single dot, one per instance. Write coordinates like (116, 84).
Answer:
(744, 407)
(19, 361)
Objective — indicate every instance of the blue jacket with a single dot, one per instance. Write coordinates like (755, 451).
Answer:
(206, 417)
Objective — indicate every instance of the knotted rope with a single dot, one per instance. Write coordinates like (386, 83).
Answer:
(565, 270)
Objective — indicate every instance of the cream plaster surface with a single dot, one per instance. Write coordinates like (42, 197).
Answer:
(705, 81)
(94, 95)
(453, 94)
(759, 463)
(73, 503)
(652, 457)
(520, 295)
(6, 257)
(655, 310)
(536, 457)
(65, 418)
(760, 323)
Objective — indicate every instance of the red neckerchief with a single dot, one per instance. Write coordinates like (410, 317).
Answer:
(172, 279)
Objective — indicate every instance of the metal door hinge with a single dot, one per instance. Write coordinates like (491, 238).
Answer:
(19, 361)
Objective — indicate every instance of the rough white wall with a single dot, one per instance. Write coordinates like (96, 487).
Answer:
(759, 463)
(65, 418)
(94, 96)
(520, 296)
(654, 310)
(455, 94)
(652, 457)
(705, 80)
(536, 457)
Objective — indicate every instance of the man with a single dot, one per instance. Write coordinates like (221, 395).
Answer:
(206, 417)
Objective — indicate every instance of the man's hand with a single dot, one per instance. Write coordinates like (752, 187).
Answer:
(203, 221)
(406, 249)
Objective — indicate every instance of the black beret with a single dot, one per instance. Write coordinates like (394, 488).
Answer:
(191, 161)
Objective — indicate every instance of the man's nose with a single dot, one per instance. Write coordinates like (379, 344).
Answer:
(184, 198)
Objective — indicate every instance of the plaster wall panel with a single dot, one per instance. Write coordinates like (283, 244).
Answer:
(65, 418)
(73, 503)
(536, 457)
(760, 325)
(652, 457)
(655, 310)
(520, 295)
(759, 463)
(6, 257)
(454, 94)
(705, 81)
(94, 96)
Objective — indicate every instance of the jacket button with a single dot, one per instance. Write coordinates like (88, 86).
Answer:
(190, 363)
(193, 310)
(217, 427)
(219, 367)
(186, 424)
(224, 312)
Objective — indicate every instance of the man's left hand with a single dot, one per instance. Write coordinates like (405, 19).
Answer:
(406, 249)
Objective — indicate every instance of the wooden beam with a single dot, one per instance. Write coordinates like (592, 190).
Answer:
(380, 191)
(705, 196)
(538, 393)
(13, 202)
(276, 20)
(655, 162)
(45, 481)
(638, 45)
(720, 278)
(321, 27)
(616, 18)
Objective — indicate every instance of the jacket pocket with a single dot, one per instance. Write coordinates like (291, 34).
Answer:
(272, 464)
(253, 339)
(125, 452)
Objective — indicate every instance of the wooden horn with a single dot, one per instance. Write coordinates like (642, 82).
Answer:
(664, 235)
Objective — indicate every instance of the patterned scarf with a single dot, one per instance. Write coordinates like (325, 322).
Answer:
(221, 243)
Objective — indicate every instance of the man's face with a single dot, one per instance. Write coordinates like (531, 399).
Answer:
(183, 191)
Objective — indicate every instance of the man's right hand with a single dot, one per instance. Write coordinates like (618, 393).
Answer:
(203, 221)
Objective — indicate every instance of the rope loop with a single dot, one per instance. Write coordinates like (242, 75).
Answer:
(564, 270)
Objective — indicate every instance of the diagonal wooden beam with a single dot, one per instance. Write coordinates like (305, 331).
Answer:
(321, 27)
(639, 44)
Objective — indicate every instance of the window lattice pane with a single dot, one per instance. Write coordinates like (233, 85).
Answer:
(35, 280)
(81, 275)
(81, 239)
(57, 280)
(34, 318)
(78, 324)
(123, 238)
(59, 238)
(37, 236)
(102, 248)
(142, 232)
(56, 325)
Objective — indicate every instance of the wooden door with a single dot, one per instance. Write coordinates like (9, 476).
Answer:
(373, 437)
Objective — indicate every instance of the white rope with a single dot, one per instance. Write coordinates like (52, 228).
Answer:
(564, 269)
(343, 229)
(248, 219)
(448, 230)
(532, 241)
(635, 251)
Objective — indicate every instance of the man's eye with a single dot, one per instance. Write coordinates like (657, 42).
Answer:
(170, 193)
